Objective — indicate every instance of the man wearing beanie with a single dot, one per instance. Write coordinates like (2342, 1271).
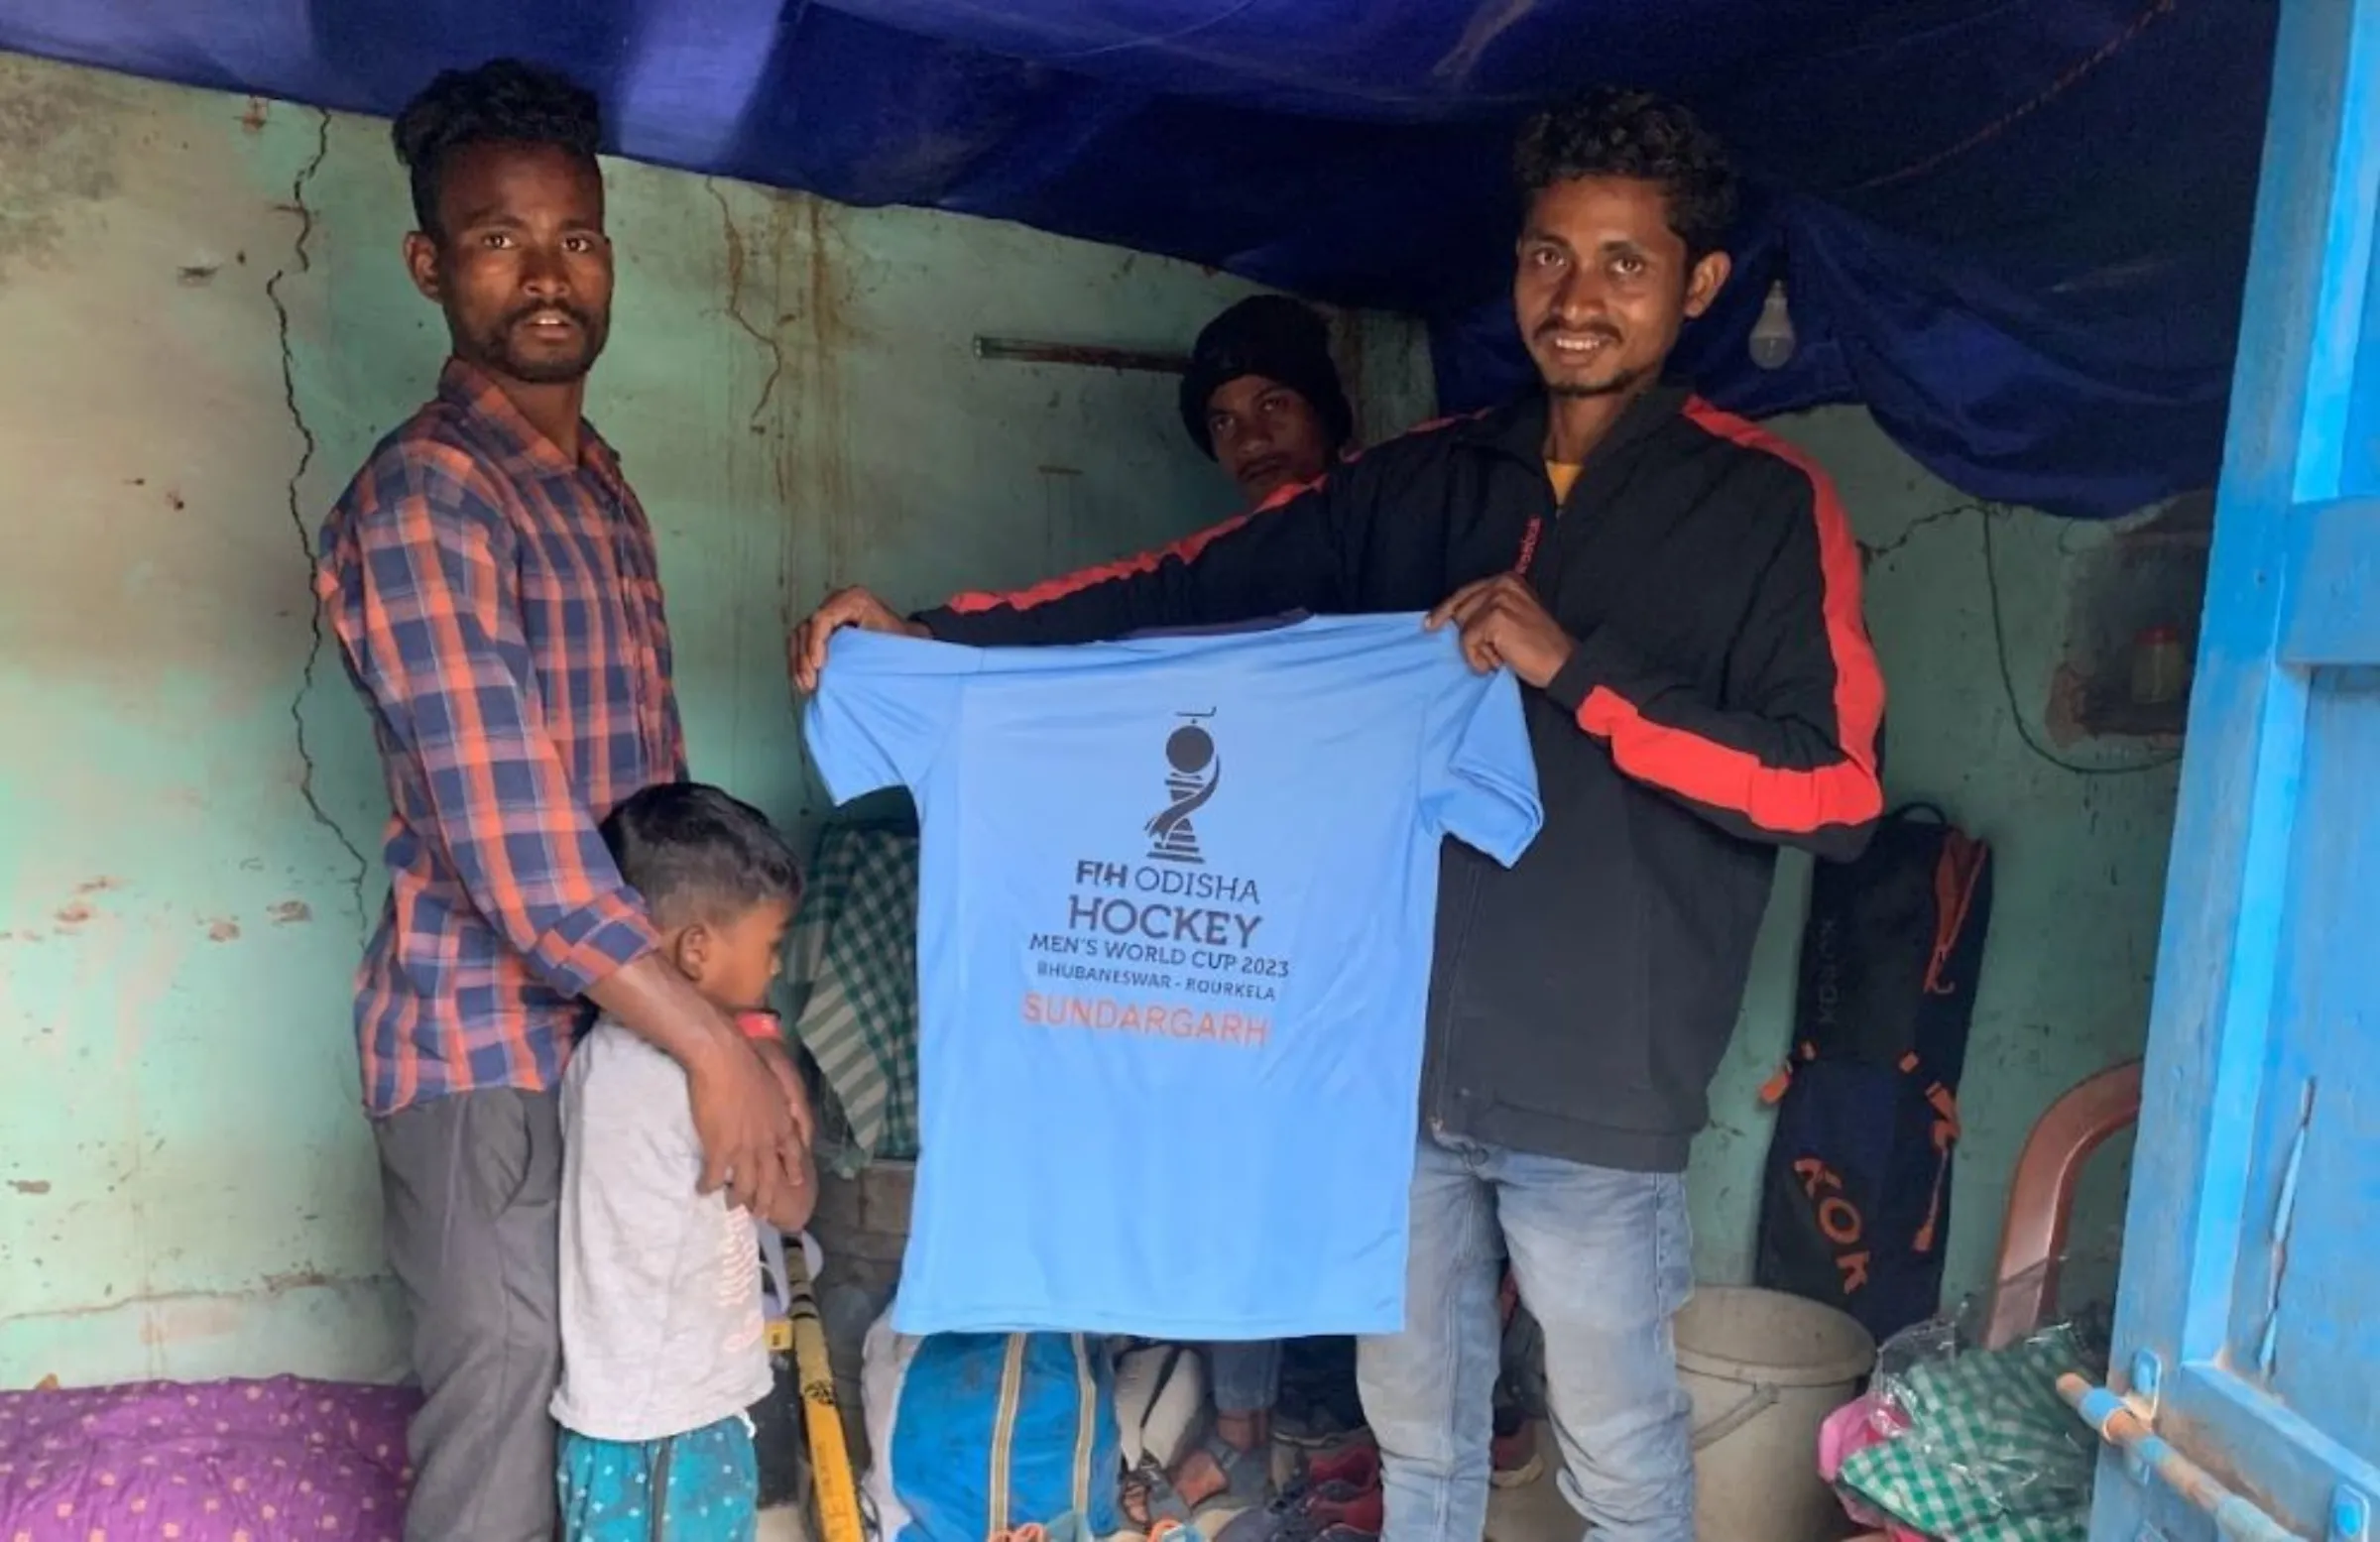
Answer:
(1677, 593)
(1262, 397)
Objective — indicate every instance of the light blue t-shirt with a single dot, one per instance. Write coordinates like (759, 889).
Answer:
(1174, 931)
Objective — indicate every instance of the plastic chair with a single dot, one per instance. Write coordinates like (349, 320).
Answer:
(2041, 1198)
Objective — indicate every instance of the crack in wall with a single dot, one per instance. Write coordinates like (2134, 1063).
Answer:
(769, 341)
(1871, 555)
(302, 263)
(271, 1287)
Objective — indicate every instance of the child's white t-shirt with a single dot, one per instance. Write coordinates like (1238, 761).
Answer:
(660, 1305)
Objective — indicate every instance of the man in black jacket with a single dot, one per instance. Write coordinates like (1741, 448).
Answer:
(1680, 594)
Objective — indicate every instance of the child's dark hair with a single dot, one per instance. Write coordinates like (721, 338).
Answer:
(503, 101)
(696, 853)
(1642, 137)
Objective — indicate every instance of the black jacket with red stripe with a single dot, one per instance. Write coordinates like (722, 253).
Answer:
(1723, 700)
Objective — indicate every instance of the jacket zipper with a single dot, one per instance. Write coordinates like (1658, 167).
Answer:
(1446, 1058)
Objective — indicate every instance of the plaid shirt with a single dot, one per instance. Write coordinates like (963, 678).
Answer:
(500, 610)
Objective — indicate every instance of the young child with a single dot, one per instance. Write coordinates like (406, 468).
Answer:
(663, 1340)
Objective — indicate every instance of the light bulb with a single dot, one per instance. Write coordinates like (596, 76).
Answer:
(1772, 334)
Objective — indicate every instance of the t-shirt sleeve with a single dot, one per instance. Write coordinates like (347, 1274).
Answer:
(1479, 776)
(884, 709)
(631, 1102)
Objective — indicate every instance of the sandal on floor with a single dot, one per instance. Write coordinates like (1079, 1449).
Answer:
(1247, 1481)
(1147, 1491)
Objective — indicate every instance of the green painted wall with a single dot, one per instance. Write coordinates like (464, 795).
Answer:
(185, 1185)
(2080, 859)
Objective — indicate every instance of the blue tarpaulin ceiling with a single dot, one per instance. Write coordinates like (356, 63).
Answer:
(2015, 229)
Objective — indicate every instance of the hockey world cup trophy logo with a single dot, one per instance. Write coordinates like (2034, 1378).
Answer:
(1193, 770)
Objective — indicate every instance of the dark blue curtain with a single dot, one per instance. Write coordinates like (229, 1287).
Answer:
(2015, 229)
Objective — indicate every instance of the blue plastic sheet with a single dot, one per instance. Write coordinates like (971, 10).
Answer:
(2016, 229)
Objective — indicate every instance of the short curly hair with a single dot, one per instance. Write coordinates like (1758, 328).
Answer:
(501, 101)
(1637, 135)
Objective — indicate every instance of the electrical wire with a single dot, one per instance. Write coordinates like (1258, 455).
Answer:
(2016, 713)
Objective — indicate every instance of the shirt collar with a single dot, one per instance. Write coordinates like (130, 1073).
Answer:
(525, 448)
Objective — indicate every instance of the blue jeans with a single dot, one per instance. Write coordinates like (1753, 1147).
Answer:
(1245, 1377)
(1604, 1261)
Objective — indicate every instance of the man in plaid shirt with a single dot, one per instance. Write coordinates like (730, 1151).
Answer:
(492, 584)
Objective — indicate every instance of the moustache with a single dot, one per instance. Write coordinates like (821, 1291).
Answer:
(586, 322)
(1557, 329)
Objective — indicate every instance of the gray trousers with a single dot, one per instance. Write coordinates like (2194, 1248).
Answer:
(473, 1187)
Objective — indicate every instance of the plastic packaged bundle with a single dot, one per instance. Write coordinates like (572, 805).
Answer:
(1969, 1441)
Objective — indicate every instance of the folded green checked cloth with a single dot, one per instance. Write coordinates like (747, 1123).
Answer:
(1991, 1452)
(853, 958)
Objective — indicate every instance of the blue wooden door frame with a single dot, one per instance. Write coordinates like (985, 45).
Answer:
(2248, 1324)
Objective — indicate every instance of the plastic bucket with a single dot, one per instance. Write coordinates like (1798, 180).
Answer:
(1764, 1369)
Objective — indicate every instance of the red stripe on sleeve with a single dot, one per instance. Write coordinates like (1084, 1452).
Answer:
(1185, 550)
(1788, 801)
